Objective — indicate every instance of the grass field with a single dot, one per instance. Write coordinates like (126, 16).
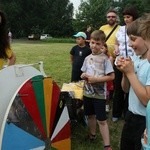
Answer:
(57, 65)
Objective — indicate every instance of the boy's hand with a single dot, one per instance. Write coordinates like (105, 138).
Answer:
(92, 80)
(84, 76)
(89, 79)
(119, 61)
(125, 65)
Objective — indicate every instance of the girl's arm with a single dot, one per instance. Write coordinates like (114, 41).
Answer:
(12, 59)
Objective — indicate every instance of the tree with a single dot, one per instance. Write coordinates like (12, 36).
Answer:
(92, 12)
(39, 16)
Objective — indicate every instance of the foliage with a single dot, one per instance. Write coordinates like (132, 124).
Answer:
(139, 4)
(39, 16)
(92, 12)
(55, 17)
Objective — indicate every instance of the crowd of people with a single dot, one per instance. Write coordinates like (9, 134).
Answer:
(113, 55)
(119, 58)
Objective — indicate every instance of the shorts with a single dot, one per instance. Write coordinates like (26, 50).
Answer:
(93, 106)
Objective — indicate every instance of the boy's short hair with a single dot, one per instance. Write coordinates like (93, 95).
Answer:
(144, 27)
(132, 28)
(98, 35)
(132, 11)
(140, 27)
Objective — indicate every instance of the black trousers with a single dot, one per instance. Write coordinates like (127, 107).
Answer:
(120, 99)
(132, 132)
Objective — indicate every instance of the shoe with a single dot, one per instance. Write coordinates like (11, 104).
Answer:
(115, 119)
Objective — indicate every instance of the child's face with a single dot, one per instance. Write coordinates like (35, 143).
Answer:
(138, 44)
(80, 41)
(104, 50)
(96, 46)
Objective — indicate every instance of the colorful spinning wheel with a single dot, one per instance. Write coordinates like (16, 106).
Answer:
(35, 117)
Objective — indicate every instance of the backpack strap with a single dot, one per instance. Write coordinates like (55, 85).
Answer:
(111, 32)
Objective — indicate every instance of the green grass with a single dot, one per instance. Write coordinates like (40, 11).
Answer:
(55, 56)
(59, 40)
(57, 65)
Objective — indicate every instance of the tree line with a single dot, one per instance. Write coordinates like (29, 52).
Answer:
(93, 12)
(55, 17)
(39, 16)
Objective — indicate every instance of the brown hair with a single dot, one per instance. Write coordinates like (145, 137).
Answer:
(98, 35)
(144, 27)
(140, 27)
(132, 11)
(132, 28)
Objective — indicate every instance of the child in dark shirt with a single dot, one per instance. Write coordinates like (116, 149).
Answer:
(77, 56)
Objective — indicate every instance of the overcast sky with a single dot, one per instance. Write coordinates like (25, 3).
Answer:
(76, 3)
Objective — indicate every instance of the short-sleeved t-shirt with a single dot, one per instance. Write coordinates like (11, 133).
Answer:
(79, 54)
(111, 41)
(142, 70)
(97, 66)
(9, 54)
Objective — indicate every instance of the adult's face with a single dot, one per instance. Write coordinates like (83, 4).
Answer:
(111, 18)
(128, 19)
